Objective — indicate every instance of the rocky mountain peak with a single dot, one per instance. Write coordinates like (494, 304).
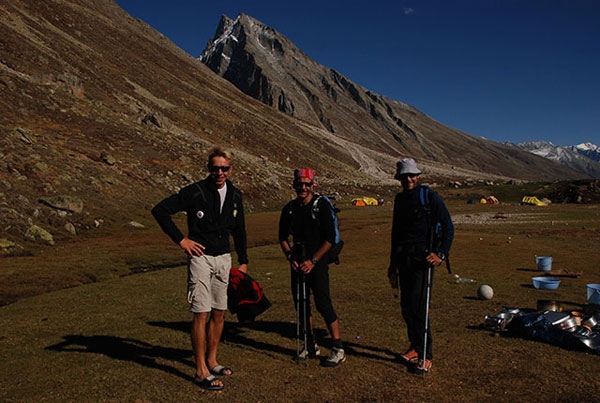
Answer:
(267, 66)
(590, 150)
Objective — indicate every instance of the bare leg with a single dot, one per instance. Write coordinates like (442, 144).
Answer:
(215, 330)
(334, 329)
(199, 344)
(311, 333)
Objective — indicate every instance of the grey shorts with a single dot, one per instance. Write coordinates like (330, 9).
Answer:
(208, 277)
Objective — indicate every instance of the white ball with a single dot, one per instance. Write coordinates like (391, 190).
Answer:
(485, 292)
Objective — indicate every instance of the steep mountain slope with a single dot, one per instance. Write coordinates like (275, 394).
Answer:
(269, 67)
(102, 116)
(100, 108)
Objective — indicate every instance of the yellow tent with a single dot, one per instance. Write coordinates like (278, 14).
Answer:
(365, 201)
(532, 201)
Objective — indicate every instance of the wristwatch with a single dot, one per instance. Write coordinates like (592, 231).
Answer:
(314, 261)
(441, 255)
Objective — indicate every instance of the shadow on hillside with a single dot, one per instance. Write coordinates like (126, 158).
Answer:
(242, 334)
(126, 349)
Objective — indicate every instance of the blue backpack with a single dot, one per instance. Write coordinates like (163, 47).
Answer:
(435, 228)
(333, 255)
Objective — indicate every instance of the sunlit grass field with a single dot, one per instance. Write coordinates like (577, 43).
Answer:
(126, 338)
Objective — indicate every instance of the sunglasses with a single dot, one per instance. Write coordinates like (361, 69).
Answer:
(215, 169)
(300, 185)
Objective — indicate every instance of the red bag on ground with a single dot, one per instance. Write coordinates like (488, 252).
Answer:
(245, 296)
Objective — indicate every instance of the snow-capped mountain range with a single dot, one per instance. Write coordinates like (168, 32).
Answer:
(584, 157)
(588, 149)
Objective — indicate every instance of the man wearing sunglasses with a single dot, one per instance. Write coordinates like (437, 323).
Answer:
(214, 213)
(415, 250)
(313, 233)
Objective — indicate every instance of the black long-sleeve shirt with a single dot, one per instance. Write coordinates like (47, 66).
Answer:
(206, 224)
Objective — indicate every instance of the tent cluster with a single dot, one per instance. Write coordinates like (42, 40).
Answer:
(365, 201)
(489, 200)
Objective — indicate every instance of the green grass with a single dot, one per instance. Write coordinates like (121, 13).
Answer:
(127, 338)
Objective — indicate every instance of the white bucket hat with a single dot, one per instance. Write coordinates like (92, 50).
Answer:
(406, 166)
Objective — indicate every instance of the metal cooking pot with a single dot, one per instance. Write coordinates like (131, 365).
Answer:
(513, 311)
(582, 331)
(548, 305)
(592, 341)
(569, 325)
(590, 322)
(498, 322)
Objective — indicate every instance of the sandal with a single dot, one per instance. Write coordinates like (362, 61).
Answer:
(211, 382)
(221, 370)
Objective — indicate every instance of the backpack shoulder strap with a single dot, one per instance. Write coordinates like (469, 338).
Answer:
(424, 197)
(315, 207)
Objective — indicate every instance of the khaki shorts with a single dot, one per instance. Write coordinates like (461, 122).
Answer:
(208, 277)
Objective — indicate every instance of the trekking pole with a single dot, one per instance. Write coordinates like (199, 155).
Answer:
(304, 318)
(423, 358)
(397, 281)
(297, 315)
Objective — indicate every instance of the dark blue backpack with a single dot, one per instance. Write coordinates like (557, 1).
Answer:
(333, 255)
(435, 228)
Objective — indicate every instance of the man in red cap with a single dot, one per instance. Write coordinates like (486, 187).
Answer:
(313, 232)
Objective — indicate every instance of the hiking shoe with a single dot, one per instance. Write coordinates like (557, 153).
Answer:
(410, 355)
(336, 357)
(423, 366)
(312, 351)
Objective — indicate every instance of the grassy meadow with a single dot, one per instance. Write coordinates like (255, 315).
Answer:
(126, 338)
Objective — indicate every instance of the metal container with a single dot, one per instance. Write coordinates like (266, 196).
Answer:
(548, 305)
(582, 331)
(590, 322)
(498, 322)
(569, 325)
(556, 318)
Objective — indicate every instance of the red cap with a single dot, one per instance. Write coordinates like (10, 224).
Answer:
(304, 173)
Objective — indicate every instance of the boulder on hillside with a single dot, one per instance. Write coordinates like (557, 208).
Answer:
(71, 204)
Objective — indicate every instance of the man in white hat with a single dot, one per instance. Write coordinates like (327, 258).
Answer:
(415, 250)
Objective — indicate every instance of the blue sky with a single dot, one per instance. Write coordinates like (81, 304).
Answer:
(506, 70)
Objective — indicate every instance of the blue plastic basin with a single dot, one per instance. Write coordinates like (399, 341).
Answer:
(545, 283)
